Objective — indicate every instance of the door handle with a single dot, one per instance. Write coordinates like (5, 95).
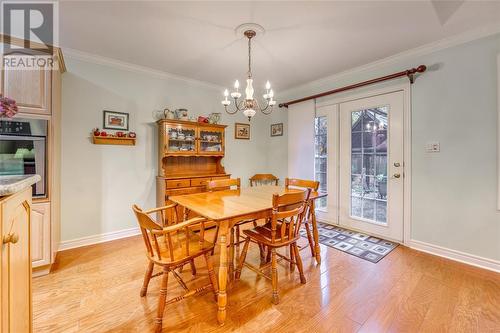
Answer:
(397, 175)
(11, 238)
(397, 164)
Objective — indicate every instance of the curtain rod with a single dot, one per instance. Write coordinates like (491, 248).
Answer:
(408, 73)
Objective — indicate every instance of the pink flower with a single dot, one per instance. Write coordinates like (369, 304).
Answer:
(8, 107)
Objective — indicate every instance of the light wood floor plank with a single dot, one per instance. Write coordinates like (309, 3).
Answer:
(96, 289)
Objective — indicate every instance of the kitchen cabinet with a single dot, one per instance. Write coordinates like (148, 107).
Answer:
(30, 88)
(16, 312)
(40, 231)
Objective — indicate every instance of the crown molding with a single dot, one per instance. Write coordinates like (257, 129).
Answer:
(432, 47)
(105, 61)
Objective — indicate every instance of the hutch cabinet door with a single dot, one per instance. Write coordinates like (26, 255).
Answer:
(16, 263)
(180, 139)
(29, 88)
(211, 140)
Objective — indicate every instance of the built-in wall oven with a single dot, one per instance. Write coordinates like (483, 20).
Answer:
(23, 150)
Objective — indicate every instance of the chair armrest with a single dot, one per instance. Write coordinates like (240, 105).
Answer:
(178, 226)
(154, 210)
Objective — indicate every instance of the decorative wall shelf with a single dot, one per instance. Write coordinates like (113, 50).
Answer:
(111, 140)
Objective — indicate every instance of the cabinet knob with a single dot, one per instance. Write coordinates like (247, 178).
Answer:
(11, 238)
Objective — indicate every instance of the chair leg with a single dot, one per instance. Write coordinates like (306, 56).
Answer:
(242, 259)
(310, 240)
(147, 278)
(238, 236)
(161, 301)
(215, 238)
(193, 267)
(268, 257)
(299, 263)
(211, 274)
(292, 259)
(262, 252)
(274, 276)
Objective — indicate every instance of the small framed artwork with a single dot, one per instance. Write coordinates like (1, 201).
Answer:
(115, 120)
(277, 129)
(242, 131)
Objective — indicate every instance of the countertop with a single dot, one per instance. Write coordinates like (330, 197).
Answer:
(13, 184)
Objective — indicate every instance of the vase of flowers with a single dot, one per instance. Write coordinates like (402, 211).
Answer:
(8, 107)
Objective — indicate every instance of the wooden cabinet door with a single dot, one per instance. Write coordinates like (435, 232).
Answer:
(16, 264)
(211, 140)
(180, 139)
(40, 234)
(29, 88)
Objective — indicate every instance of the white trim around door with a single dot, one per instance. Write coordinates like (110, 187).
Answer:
(332, 103)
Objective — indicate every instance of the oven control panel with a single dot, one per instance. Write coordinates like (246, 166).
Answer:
(15, 127)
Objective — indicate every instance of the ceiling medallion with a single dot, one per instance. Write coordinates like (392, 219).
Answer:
(249, 105)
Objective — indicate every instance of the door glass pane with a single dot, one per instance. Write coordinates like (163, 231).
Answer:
(320, 157)
(369, 140)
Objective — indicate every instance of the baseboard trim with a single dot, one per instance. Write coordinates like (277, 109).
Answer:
(466, 258)
(96, 239)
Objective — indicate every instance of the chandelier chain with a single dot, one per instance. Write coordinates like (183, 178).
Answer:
(249, 57)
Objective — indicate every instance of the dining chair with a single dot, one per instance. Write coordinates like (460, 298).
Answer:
(263, 179)
(224, 184)
(171, 246)
(305, 184)
(287, 215)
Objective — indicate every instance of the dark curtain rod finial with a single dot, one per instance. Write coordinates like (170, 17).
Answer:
(408, 73)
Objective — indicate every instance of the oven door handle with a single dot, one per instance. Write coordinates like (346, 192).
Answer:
(24, 138)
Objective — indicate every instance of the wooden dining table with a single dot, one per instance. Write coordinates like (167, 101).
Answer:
(228, 207)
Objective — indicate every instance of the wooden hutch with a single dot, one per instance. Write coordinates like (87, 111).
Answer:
(189, 155)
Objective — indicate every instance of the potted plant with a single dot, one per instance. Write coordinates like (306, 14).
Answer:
(382, 186)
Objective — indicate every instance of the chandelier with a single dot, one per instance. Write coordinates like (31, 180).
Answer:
(249, 105)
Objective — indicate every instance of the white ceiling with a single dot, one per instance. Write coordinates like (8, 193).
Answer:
(303, 41)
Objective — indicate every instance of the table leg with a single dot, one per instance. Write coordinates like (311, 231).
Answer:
(317, 249)
(222, 296)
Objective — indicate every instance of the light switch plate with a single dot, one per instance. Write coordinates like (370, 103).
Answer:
(433, 147)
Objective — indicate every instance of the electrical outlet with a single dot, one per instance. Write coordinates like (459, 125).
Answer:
(433, 147)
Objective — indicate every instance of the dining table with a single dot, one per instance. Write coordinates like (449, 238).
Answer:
(230, 206)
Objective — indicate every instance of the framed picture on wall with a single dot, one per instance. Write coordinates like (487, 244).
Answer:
(115, 120)
(242, 131)
(277, 129)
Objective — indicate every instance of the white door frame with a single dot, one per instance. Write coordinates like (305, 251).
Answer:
(406, 88)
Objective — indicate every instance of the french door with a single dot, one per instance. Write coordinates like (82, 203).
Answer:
(364, 164)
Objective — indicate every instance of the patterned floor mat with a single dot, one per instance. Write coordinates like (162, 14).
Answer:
(358, 244)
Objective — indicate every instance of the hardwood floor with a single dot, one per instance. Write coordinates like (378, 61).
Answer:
(96, 289)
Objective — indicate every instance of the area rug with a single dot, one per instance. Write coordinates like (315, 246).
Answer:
(358, 244)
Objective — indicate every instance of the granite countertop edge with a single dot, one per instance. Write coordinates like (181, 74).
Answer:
(13, 184)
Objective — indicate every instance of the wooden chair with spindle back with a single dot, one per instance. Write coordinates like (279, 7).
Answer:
(225, 184)
(305, 184)
(287, 215)
(263, 179)
(171, 246)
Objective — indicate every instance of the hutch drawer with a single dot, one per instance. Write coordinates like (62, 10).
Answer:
(199, 181)
(178, 183)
